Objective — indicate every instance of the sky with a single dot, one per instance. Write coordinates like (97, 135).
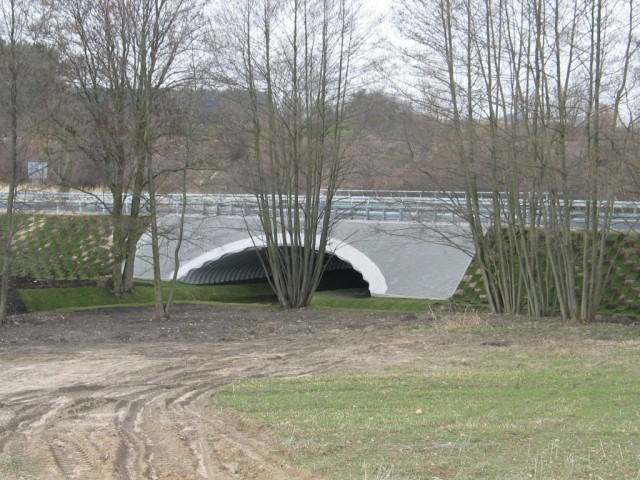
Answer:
(379, 6)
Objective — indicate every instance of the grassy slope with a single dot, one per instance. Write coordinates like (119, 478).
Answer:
(67, 247)
(68, 299)
(622, 292)
(545, 408)
(327, 300)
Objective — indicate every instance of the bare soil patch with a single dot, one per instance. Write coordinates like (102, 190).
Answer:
(113, 394)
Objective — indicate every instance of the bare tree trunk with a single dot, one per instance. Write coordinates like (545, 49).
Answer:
(13, 180)
(160, 312)
(134, 228)
(178, 246)
(10, 54)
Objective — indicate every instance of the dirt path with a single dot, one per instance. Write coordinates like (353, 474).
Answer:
(113, 395)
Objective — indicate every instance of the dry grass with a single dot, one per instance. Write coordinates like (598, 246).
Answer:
(460, 321)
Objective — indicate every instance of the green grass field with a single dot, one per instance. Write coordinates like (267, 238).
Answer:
(546, 409)
(69, 299)
(328, 300)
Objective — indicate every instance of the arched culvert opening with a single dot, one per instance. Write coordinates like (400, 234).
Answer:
(240, 263)
(341, 276)
(247, 267)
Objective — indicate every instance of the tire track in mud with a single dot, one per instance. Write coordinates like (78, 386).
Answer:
(157, 423)
(143, 410)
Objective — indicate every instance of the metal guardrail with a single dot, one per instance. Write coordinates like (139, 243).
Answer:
(365, 205)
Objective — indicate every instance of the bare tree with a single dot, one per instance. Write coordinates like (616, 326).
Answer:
(296, 60)
(123, 59)
(9, 54)
(95, 116)
(21, 65)
(166, 34)
(528, 87)
(187, 142)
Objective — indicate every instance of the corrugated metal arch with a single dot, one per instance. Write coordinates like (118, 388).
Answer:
(239, 261)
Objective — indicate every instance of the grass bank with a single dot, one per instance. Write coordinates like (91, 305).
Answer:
(548, 401)
(78, 298)
(328, 299)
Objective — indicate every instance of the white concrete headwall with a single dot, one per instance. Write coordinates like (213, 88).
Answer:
(397, 259)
